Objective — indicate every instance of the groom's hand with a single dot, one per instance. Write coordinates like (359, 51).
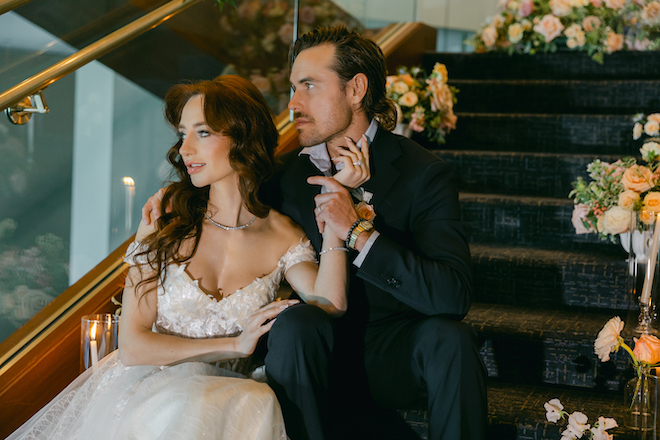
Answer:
(334, 209)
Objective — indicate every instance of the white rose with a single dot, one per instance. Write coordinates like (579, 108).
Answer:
(553, 410)
(637, 131)
(608, 339)
(650, 147)
(616, 220)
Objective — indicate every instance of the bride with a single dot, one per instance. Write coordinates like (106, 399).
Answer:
(201, 287)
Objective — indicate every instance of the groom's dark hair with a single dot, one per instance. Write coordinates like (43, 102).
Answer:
(355, 54)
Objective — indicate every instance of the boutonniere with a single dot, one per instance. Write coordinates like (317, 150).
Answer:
(362, 195)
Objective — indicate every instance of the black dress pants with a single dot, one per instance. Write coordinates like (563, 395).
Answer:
(300, 345)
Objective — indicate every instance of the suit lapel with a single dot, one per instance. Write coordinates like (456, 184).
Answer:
(384, 151)
(301, 206)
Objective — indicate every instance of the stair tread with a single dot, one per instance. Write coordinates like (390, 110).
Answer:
(529, 322)
(615, 254)
(515, 199)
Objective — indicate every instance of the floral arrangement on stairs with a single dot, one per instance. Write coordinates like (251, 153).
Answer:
(596, 26)
(424, 103)
(30, 278)
(604, 205)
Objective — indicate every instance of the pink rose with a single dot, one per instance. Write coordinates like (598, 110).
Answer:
(489, 36)
(286, 33)
(647, 349)
(580, 212)
(614, 42)
(590, 23)
(615, 4)
(525, 8)
(637, 178)
(307, 15)
(550, 27)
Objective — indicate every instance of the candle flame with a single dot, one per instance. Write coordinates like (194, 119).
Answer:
(92, 332)
(128, 181)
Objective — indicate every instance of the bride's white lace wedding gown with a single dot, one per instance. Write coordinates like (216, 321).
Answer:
(193, 400)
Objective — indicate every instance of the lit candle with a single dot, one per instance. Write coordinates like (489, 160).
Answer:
(92, 345)
(650, 268)
(129, 185)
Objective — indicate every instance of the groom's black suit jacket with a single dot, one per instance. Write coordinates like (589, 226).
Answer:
(421, 261)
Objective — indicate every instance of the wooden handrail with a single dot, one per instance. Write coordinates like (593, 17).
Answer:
(92, 52)
(10, 5)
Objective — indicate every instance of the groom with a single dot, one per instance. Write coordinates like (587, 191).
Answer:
(401, 344)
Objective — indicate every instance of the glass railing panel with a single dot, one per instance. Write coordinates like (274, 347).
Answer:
(68, 25)
(64, 201)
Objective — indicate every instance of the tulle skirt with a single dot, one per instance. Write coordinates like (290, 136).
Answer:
(192, 400)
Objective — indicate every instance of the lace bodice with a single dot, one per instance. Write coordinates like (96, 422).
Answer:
(185, 310)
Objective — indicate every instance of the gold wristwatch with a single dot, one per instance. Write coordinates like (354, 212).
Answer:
(361, 227)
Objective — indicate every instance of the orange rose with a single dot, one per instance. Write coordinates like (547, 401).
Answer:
(647, 349)
(614, 42)
(652, 201)
(365, 211)
(637, 178)
(406, 78)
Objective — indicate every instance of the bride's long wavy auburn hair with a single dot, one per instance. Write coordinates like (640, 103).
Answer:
(234, 107)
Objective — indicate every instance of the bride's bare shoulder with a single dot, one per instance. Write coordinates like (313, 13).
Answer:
(284, 227)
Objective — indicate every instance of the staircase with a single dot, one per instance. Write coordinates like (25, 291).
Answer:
(527, 127)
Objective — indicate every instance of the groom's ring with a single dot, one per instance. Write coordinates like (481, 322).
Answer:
(319, 208)
(358, 163)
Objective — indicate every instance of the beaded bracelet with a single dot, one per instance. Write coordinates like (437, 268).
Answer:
(350, 231)
(338, 248)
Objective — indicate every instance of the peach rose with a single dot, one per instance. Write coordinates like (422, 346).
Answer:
(654, 117)
(408, 99)
(441, 98)
(399, 87)
(497, 21)
(408, 79)
(525, 8)
(561, 8)
(448, 121)
(615, 4)
(647, 349)
(627, 199)
(614, 42)
(515, 33)
(590, 23)
(489, 36)
(651, 11)
(550, 27)
(391, 79)
(652, 201)
(365, 211)
(615, 220)
(441, 70)
(597, 3)
(637, 178)
(652, 128)
(637, 131)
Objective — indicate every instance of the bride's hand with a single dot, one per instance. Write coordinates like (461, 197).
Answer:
(356, 169)
(151, 209)
(258, 324)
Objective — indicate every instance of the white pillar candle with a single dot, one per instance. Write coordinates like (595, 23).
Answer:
(129, 185)
(650, 268)
(92, 345)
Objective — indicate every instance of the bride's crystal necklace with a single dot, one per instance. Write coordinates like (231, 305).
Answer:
(230, 228)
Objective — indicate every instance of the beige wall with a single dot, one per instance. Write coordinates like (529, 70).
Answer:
(452, 14)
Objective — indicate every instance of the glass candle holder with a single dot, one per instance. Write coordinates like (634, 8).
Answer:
(99, 337)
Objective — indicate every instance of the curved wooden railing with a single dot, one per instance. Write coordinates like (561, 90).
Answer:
(43, 356)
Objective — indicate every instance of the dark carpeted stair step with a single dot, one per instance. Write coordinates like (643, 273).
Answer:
(515, 411)
(552, 279)
(521, 221)
(558, 96)
(515, 173)
(573, 134)
(536, 345)
(561, 65)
